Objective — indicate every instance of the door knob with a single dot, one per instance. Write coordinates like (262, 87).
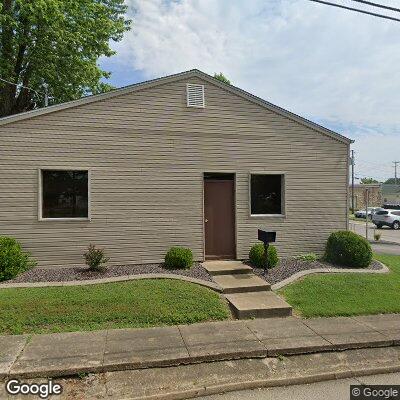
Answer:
(206, 220)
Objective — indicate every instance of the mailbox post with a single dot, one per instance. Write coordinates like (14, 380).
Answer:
(266, 238)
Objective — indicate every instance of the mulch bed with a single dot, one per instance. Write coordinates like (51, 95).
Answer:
(289, 266)
(81, 273)
(286, 267)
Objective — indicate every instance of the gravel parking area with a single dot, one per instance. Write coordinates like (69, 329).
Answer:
(289, 266)
(81, 273)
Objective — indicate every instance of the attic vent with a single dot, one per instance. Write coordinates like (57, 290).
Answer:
(195, 95)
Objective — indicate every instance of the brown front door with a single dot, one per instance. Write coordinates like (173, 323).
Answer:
(219, 218)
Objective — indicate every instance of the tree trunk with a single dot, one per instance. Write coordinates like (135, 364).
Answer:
(8, 91)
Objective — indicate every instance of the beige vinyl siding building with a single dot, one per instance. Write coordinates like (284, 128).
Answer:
(146, 154)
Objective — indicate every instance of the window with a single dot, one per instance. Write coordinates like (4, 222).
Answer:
(266, 194)
(382, 213)
(64, 194)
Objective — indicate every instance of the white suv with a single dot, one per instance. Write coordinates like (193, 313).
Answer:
(387, 217)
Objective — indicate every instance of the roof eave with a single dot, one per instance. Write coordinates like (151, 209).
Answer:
(171, 78)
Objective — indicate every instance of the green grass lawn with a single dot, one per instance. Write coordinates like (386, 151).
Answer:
(328, 295)
(141, 303)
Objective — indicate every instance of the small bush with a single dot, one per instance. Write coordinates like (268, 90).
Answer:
(377, 237)
(310, 257)
(257, 256)
(13, 260)
(95, 259)
(348, 249)
(178, 258)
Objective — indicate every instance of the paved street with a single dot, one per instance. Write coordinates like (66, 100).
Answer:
(386, 248)
(388, 234)
(328, 390)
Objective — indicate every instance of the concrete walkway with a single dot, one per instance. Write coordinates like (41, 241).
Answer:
(279, 375)
(65, 354)
(248, 295)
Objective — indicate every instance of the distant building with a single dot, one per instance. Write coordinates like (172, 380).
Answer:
(391, 194)
(375, 195)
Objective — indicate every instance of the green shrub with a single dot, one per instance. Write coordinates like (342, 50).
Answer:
(348, 249)
(95, 258)
(257, 256)
(178, 258)
(377, 237)
(310, 257)
(13, 260)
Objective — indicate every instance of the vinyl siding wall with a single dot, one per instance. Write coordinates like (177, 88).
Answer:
(147, 153)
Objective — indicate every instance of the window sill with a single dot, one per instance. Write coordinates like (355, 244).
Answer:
(64, 219)
(267, 215)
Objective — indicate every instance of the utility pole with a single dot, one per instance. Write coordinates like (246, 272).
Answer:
(352, 181)
(366, 198)
(395, 171)
(46, 94)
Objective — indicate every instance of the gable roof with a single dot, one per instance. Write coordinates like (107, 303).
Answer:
(171, 78)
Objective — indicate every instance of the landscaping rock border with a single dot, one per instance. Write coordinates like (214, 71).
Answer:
(289, 267)
(287, 271)
(383, 270)
(210, 285)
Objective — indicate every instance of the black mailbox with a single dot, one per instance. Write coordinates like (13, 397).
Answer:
(266, 237)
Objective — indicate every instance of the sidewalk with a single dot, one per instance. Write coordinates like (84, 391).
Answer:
(65, 354)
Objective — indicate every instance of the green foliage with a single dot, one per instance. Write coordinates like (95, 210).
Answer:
(178, 258)
(221, 77)
(366, 181)
(392, 181)
(310, 257)
(135, 304)
(58, 43)
(95, 258)
(13, 260)
(348, 249)
(257, 256)
(377, 237)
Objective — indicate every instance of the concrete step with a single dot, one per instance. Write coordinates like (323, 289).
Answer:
(226, 267)
(258, 305)
(241, 283)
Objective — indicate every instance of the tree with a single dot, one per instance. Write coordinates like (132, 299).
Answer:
(55, 43)
(368, 180)
(221, 77)
(392, 181)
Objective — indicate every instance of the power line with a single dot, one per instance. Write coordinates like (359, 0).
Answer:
(45, 94)
(370, 3)
(356, 10)
(25, 87)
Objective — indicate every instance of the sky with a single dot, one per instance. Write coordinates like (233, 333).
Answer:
(338, 68)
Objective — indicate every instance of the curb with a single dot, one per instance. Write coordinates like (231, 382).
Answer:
(191, 360)
(380, 241)
(266, 383)
(210, 285)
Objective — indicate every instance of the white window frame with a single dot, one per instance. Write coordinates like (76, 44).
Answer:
(40, 193)
(283, 197)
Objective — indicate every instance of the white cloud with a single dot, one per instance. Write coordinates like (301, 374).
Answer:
(318, 61)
